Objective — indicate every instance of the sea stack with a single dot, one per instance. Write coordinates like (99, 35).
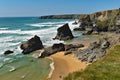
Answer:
(64, 33)
(32, 45)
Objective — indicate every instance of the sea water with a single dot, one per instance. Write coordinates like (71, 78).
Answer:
(13, 32)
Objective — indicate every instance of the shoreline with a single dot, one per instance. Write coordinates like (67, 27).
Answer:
(52, 67)
(66, 64)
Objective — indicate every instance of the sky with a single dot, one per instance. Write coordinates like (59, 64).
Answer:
(22, 8)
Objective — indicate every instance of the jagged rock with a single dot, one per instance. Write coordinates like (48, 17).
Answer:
(73, 46)
(8, 52)
(64, 33)
(94, 52)
(32, 45)
(105, 45)
(79, 29)
(52, 50)
(67, 52)
(117, 31)
(75, 23)
(89, 32)
(68, 48)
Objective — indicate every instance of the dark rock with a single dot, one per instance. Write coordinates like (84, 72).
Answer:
(68, 48)
(8, 52)
(64, 33)
(79, 29)
(89, 32)
(73, 46)
(75, 23)
(68, 16)
(52, 50)
(67, 52)
(32, 45)
(59, 47)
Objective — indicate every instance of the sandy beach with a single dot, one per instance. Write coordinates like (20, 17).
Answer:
(65, 65)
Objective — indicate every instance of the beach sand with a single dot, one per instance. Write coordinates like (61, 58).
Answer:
(65, 65)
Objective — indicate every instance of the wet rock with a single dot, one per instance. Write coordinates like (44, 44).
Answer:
(89, 32)
(79, 29)
(73, 46)
(68, 48)
(75, 23)
(64, 33)
(8, 52)
(67, 52)
(52, 50)
(32, 45)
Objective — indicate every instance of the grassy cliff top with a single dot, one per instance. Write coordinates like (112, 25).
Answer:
(107, 68)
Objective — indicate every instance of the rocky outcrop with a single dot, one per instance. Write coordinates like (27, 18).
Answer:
(60, 47)
(64, 33)
(52, 50)
(89, 32)
(70, 48)
(71, 16)
(75, 23)
(8, 52)
(94, 52)
(32, 45)
(79, 29)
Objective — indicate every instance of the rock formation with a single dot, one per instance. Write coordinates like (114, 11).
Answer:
(64, 33)
(94, 52)
(60, 47)
(72, 16)
(32, 45)
(8, 52)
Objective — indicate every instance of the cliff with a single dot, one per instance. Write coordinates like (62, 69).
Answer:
(102, 15)
(67, 16)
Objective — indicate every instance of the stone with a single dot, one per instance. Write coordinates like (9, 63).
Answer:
(89, 32)
(32, 45)
(75, 23)
(94, 52)
(52, 50)
(79, 29)
(8, 52)
(64, 33)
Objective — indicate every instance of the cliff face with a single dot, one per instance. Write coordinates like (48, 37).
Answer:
(103, 15)
(71, 16)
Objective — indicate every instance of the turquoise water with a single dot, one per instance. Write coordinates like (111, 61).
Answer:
(13, 32)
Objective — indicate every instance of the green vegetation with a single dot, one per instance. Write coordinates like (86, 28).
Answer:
(107, 68)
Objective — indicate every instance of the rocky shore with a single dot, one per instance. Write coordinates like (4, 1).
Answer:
(106, 22)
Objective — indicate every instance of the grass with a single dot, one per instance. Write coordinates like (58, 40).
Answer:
(107, 68)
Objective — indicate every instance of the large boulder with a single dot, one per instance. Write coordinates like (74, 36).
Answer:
(64, 33)
(32, 45)
(8, 52)
(52, 50)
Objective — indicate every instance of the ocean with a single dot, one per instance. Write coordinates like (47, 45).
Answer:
(13, 32)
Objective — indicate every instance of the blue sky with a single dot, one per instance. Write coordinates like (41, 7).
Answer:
(49, 7)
